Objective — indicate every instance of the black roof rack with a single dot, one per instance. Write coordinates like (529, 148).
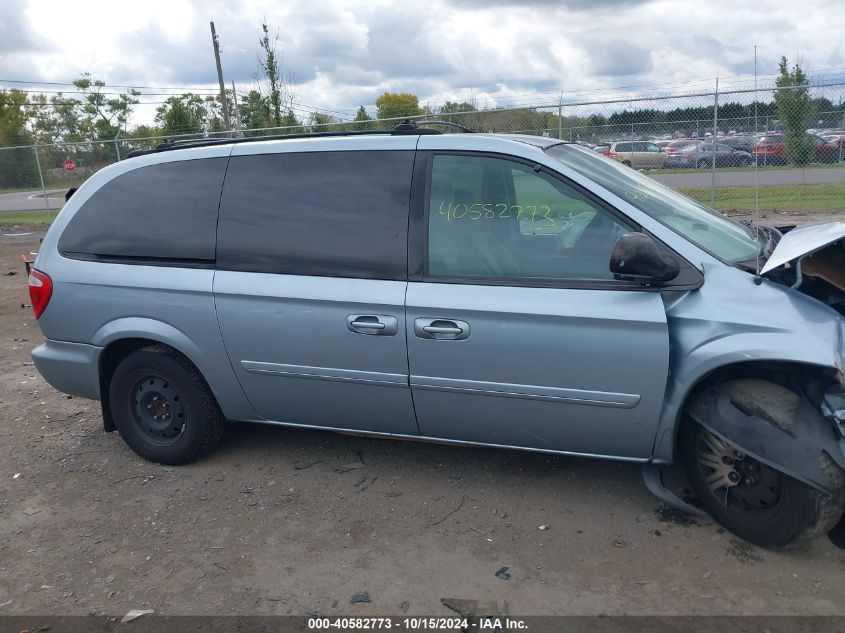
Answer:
(408, 127)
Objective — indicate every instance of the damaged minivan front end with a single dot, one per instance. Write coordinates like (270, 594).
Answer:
(758, 364)
(754, 401)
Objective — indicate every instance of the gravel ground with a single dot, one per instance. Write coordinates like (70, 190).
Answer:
(284, 521)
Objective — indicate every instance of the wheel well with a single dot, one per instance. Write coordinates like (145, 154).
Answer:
(110, 358)
(810, 381)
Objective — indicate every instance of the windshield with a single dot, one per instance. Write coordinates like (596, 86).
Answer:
(719, 235)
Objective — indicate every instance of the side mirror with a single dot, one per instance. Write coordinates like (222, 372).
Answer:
(636, 255)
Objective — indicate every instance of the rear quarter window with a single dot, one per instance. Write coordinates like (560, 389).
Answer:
(165, 212)
(336, 214)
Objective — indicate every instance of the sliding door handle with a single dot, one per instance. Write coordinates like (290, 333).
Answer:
(372, 324)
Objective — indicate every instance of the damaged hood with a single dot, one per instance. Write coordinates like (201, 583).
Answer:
(803, 241)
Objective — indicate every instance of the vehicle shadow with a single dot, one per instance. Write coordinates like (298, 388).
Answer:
(335, 452)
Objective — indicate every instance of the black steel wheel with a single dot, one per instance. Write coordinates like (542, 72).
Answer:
(159, 411)
(162, 406)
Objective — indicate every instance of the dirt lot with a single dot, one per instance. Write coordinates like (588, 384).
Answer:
(277, 521)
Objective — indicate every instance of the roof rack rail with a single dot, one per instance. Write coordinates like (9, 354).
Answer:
(409, 125)
(406, 127)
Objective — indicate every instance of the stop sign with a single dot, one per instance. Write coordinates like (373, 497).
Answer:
(69, 165)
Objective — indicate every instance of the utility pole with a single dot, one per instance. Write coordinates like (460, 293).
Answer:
(237, 110)
(216, 43)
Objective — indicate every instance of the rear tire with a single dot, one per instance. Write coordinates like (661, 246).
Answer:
(163, 408)
(776, 511)
(627, 163)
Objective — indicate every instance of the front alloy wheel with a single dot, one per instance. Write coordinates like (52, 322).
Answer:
(735, 479)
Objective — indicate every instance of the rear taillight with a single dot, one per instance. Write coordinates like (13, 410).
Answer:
(40, 291)
(609, 154)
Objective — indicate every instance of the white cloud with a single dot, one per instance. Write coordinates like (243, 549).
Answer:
(346, 54)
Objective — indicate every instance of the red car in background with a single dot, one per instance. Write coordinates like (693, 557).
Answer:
(771, 150)
(677, 144)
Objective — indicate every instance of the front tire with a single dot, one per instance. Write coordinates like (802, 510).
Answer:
(752, 500)
(163, 408)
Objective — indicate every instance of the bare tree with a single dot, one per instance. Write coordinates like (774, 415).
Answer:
(278, 89)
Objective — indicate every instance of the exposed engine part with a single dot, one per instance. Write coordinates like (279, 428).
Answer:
(827, 264)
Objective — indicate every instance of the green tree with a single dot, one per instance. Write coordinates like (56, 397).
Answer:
(322, 122)
(269, 65)
(255, 111)
(13, 118)
(362, 121)
(454, 107)
(185, 114)
(796, 111)
(394, 105)
(17, 166)
(459, 109)
(277, 86)
(103, 117)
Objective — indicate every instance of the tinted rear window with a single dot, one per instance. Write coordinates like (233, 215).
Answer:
(160, 212)
(341, 214)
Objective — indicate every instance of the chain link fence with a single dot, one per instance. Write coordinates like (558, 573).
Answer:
(779, 150)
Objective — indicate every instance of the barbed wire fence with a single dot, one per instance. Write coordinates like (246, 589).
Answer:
(799, 132)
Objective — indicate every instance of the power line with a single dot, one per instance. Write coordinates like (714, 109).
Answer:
(59, 83)
(141, 94)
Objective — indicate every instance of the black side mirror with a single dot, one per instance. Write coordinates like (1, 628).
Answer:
(636, 255)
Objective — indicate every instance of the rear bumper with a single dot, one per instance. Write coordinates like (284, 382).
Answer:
(70, 367)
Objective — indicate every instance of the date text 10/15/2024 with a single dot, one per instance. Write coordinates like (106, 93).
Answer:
(418, 624)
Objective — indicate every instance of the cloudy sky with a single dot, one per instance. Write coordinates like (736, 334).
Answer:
(344, 54)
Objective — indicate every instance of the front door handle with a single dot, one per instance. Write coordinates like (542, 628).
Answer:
(372, 324)
(441, 329)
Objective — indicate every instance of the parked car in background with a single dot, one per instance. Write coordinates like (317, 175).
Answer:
(637, 154)
(771, 149)
(741, 143)
(838, 141)
(674, 146)
(699, 154)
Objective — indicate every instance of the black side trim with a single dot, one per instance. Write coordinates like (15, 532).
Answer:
(173, 262)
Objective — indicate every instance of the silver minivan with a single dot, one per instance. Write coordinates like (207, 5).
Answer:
(475, 289)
